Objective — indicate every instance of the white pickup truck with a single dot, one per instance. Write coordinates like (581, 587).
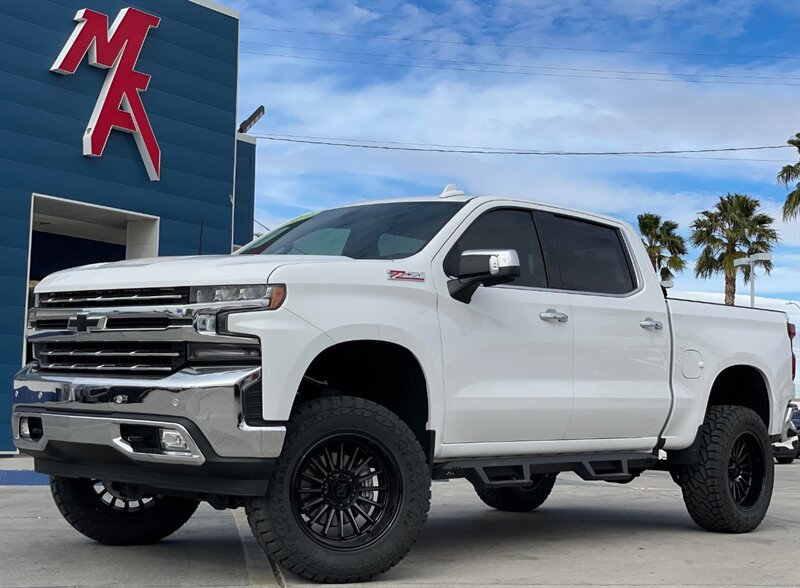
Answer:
(325, 373)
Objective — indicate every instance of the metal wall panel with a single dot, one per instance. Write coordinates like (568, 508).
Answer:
(191, 102)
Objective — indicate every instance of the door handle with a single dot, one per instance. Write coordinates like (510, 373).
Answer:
(649, 323)
(553, 315)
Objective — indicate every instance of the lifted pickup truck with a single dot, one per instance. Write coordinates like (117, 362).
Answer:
(325, 373)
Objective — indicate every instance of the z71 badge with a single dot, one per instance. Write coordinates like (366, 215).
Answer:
(405, 276)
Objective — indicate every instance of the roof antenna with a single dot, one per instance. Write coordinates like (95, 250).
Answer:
(450, 190)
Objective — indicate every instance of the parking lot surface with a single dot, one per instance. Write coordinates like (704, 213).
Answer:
(586, 534)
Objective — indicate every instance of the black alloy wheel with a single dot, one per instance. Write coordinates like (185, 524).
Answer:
(112, 496)
(345, 491)
(113, 513)
(729, 487)
(347, 496)
(746, 471)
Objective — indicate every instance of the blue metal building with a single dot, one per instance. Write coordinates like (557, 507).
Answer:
(60, 208)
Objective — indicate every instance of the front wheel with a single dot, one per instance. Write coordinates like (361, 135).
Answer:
(730, 488)
(784, 460)
(348, 495)
(118, 514)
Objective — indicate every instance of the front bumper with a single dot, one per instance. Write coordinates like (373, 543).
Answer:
(82, 422)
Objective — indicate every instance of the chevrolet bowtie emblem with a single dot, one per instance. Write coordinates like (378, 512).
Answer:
(83, 323)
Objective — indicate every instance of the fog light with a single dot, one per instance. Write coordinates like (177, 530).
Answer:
(25, 429)
(173, 442)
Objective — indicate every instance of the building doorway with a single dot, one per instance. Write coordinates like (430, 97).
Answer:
(67, 233)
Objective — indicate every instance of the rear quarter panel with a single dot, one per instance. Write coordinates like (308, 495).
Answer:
(722, 336)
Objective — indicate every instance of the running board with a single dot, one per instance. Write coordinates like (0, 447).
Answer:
(517, 471)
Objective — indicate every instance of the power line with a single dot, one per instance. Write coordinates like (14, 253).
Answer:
(503, 149)
(262, 225)
(513, 46)
(518, 65)
(518, 73)
(437, 148)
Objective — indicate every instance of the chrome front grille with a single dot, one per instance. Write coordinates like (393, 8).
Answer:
(155, 357)
(148, 332)
(106, 298)
(116, 323)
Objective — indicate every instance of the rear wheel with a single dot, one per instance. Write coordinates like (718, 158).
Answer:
(349, 494)
(516, 499)
(118, 514)
(730, 488)
(784, 460)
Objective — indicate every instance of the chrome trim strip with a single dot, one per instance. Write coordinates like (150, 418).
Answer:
(101, 353)
(187, 334)
(103, 367)
(135, 297)
(185, 310)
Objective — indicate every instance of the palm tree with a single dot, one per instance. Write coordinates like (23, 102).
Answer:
(788, 174)
(734, 228)
(664, 246)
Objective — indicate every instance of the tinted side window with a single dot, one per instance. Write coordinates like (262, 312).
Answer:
(590, 257)
(504, 229)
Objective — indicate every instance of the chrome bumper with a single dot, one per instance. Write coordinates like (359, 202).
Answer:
(198, 402)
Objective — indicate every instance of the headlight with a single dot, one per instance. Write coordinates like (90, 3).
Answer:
(272, 296)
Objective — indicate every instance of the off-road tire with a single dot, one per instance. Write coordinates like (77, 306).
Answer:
(706, 485)
(282, 528)
(784, 460)
(83, 508)
(515, 499)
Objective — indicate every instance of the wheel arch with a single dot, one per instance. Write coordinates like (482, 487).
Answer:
(382, 371)
(742, 385)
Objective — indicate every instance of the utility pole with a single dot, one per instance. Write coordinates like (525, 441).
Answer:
(751, 260)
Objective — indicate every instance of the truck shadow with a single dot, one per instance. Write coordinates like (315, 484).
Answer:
(456, 541)
(484, 538)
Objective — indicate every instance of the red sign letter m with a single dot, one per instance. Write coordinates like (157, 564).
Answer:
(119, 105)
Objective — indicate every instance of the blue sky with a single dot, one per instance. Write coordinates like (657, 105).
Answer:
(755, 44)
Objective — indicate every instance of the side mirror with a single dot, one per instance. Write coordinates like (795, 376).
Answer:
(487, 267)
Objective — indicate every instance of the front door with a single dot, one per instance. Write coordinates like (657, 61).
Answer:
(507, 358)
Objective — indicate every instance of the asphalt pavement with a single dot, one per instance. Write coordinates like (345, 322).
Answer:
(586, 534)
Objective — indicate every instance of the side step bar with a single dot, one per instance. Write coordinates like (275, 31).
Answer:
(517, 471)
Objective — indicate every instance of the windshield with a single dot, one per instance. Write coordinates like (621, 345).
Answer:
(373, 231)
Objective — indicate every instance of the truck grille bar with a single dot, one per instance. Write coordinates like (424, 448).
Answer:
(101, 298)
(106, 356)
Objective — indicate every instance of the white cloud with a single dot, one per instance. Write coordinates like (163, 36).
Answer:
(438, 106)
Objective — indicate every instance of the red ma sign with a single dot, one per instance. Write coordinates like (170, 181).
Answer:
(119, 105)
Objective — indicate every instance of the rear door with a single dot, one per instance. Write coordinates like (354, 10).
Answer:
(622, 357)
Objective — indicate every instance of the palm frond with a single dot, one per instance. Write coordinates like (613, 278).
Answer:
(791, 208)
(707, 264)
(787, 175)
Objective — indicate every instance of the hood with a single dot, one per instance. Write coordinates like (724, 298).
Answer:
(156, 272)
